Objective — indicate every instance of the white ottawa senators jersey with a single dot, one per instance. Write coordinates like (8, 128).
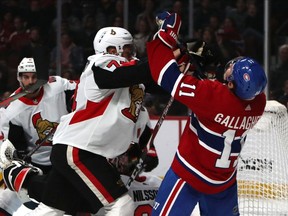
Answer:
(39, 116)
(104, 120)
(143, 191)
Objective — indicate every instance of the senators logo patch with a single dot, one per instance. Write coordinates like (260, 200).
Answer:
(137, 97)
(43, 128)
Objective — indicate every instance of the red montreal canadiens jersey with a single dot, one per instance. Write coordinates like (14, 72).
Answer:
(215, 133)
(37, 117)
(104, 120)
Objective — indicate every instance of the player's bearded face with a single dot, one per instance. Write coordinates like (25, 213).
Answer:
(28, 79)
(128, 51)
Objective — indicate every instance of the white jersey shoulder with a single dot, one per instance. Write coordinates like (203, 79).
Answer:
(104, 121)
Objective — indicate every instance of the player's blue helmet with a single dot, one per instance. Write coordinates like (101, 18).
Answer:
(248, 77)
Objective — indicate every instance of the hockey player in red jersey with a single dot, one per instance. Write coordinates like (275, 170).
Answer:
(28, 120)
(205, 165)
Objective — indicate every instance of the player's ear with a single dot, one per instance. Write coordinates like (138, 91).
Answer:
(230, 85)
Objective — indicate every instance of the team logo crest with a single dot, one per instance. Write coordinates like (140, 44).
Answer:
(112, 32)
(137, 96)
(246, 77)
(43, 128)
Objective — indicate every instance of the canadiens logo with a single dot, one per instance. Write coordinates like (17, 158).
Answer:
(246, 77)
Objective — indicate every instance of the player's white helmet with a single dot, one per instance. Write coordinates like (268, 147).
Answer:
(26, 65)
(112, 37)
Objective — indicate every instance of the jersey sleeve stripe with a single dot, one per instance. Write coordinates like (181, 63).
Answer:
(210, 140)
(195, 172)
(169, 75)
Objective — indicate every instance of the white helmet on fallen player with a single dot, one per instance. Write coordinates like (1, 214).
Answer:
(116, 37)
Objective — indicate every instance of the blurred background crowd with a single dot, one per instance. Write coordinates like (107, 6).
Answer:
(231, 27)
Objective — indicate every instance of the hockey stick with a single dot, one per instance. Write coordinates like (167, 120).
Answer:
(140, 165)
(8, 152)
(46, 138)
(22, 93)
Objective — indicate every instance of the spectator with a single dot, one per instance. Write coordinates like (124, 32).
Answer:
(254, 19)
(7, 22)
(119, 8)
(39, 16)
(86, 36)
(214, 22)
(238, 14)
(71, 55)
(105, 13)
(143, 34)
(202, 14)
(4, 37)
(148, 13)
(284, 98)
(230, 31)
(229, 40)
(253, 33)
(118, 21)
(17, 40)
(280, 73)
(38, 50)
(73, 22)
(36, 46)
(118, 16)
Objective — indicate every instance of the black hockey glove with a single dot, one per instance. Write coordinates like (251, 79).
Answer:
(202, 57)
(14, 175)
(151, 161)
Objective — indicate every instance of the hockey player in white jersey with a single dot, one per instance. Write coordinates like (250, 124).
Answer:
(143, 190)
(28, 120)
(102, 126)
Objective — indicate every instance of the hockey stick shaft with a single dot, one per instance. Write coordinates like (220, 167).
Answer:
(140, 166)
(43, 141)
(24, 92)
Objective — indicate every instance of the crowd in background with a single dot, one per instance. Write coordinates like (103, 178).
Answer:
(231, 27)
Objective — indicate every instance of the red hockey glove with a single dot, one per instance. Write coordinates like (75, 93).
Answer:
(169, 30)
